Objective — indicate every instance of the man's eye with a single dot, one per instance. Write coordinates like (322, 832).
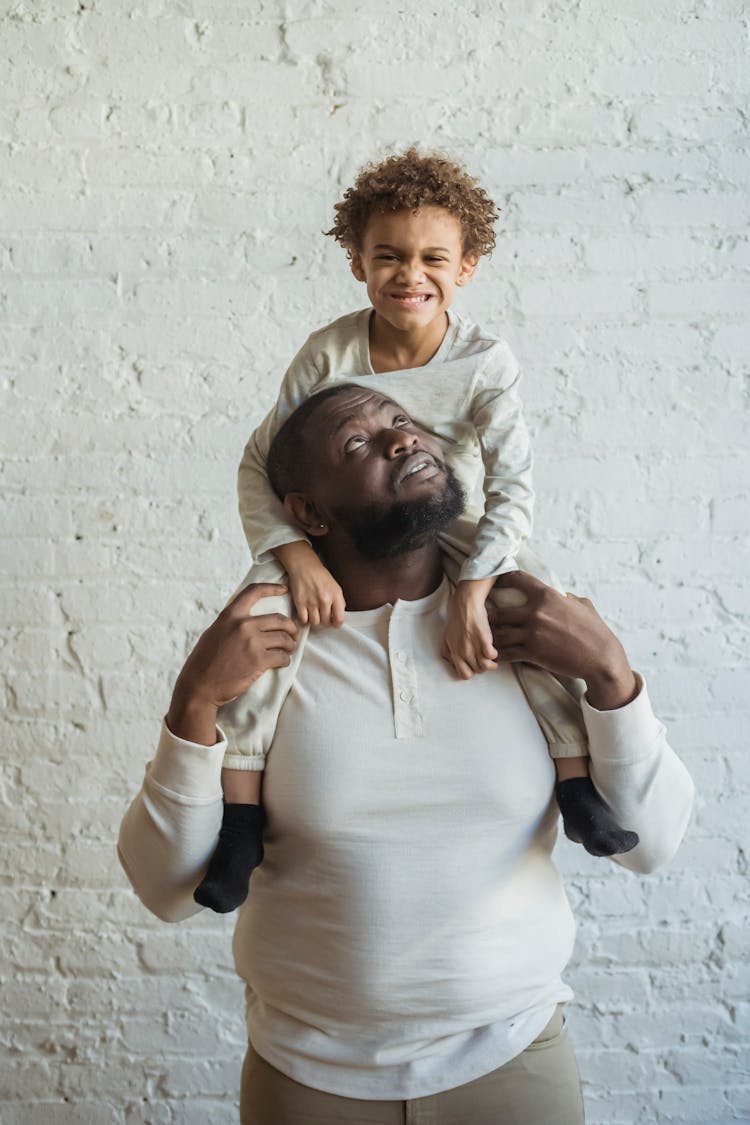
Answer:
(401, 420)
(436, 259)
(354, 443)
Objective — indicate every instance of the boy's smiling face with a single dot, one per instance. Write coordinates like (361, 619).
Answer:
(412, 263)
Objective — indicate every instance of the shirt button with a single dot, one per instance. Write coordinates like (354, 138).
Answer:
(402, 656)
(404, 696)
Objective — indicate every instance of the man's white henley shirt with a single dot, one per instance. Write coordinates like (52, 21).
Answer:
(408, 929)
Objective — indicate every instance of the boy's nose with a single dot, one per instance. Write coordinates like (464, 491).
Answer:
(410, 270)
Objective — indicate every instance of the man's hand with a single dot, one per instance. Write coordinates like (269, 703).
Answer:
(564, 634)
(230, 656)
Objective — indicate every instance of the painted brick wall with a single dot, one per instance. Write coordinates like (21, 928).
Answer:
(166, 170)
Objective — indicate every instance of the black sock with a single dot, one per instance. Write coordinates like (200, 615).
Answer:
(588, 821)
(239, 850)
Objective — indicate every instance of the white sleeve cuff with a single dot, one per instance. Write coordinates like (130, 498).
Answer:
(187, 769)
(626, 733)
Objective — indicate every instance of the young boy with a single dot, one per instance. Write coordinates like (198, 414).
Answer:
(414, 228)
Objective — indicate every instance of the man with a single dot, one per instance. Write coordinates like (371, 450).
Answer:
(403, 940)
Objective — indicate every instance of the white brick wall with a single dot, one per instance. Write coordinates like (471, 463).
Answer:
(166, 171)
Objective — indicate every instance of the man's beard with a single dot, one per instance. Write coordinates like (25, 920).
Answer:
(381, 531)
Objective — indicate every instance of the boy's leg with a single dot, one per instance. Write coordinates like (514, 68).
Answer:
(249, 724)
(556, 705)
(239, 848)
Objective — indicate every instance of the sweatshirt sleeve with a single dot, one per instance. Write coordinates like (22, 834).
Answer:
(497, 415)
(641, 779)
(170, 830)
(264, 520)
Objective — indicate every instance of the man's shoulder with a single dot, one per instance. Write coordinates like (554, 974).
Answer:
(472, 338)
(343, 330)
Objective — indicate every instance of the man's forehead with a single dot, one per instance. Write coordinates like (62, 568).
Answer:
(353, 405)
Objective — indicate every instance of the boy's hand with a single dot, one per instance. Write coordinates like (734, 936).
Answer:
(317, 596)
(467, 641)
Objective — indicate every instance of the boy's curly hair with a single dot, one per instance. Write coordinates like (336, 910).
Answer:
(408, 181)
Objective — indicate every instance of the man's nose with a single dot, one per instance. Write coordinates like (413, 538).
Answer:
(397, 441)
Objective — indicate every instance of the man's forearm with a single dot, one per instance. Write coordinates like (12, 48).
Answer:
(613, 684)
(192, 718)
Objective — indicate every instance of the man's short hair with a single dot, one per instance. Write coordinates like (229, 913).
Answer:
(289, 463)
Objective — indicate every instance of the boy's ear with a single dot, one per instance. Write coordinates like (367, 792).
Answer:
(469, 263)
(303, 511)
(356, 266)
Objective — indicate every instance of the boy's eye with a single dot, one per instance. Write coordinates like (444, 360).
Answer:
(354, 443)
(401, 420)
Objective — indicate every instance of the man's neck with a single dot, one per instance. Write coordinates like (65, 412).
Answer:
(370, 583)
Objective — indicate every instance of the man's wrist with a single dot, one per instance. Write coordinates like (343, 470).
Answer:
(192, 718)
(613, 684)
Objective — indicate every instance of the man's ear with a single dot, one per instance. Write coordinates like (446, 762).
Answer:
(303, 511)
(356, 266)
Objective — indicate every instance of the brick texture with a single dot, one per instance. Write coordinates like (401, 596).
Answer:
(167, 170)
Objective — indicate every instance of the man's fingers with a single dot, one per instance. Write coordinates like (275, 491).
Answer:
(248, 597)
(278, 639)
(511, 654)
(273, 622)
(508, 615)
(508, 638)
(521, 580)
(278, 659)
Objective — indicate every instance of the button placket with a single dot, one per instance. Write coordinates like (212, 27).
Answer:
(407, 714)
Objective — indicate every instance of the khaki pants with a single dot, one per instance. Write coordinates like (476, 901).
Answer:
(539, 1087)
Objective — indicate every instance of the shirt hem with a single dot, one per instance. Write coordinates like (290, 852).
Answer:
(409, 1090)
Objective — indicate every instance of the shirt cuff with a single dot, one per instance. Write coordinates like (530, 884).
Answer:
(188, 769)
(625, 733)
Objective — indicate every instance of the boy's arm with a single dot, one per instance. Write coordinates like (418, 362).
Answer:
(264, 520)
(497, 415)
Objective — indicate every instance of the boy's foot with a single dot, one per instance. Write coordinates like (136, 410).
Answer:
(239, 850)
(588, 821)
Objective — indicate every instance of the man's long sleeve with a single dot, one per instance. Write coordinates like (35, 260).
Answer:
(170, 830)
(641, 779)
